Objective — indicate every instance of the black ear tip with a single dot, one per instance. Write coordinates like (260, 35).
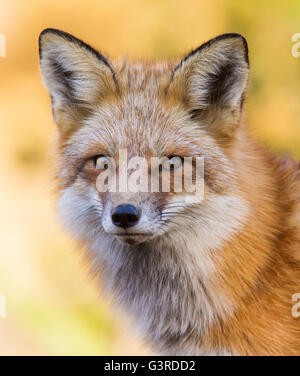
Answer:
(245, 44)
(219, 38)
(236, 36)
(232, 36)
(53, 31)
(47, 31)
(71, 39)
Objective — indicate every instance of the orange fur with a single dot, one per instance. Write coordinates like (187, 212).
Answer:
(256, 268)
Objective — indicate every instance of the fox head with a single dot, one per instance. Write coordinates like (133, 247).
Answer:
(172, 111)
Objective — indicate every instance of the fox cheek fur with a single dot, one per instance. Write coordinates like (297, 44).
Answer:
(216, 277)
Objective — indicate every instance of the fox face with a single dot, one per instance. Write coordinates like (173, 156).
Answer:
(149, 110)
(202, 255)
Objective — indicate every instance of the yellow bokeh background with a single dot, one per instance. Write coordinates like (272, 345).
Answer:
(52, 306)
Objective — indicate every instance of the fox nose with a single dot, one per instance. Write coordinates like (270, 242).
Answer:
(125, 216)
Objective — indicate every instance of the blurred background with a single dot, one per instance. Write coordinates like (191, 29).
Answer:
(52, 306)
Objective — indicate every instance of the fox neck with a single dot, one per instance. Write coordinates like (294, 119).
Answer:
(197, 279)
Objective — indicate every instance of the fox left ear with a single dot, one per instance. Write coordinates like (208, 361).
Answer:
(76, 75)
(212, 79)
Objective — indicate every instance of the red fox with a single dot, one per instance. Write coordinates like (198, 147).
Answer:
(216, 276)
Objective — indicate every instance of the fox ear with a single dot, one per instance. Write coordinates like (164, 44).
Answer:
(76, 75)
(212, 79)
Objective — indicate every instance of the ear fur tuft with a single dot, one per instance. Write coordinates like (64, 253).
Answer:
(212, 79)
(76, 75)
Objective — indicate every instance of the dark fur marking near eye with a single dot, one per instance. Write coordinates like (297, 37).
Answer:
(195, 113)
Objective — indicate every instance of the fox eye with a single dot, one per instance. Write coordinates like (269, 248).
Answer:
(101, 162)
(172, 163)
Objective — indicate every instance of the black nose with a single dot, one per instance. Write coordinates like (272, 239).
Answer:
(125, 216)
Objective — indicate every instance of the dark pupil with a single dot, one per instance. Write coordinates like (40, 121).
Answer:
(105, 165)
(172, 165)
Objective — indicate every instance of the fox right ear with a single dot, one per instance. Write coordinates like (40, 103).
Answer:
(212, 79)
(76, 75)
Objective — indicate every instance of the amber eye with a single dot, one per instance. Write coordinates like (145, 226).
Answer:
(171, 163)
(101, 162)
